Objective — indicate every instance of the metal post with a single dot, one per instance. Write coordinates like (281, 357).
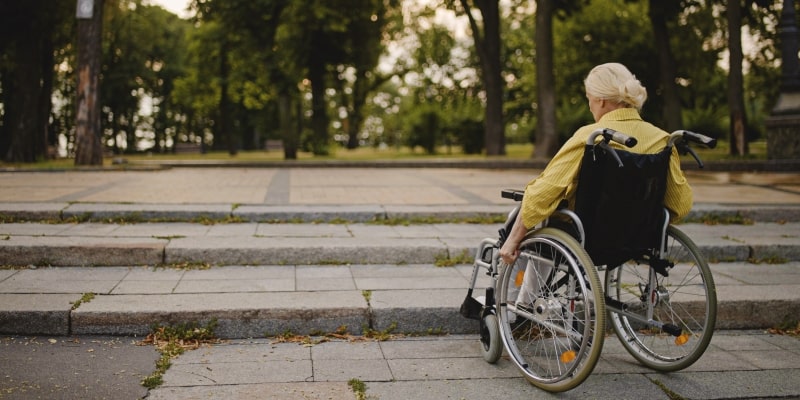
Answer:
(783, 126)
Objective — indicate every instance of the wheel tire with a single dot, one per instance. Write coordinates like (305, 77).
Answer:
(555, 334)
(687, 299)
(491, 344)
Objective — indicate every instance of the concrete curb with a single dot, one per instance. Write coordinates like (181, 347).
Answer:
(253, 315)
(725, 166)
(103, 212)
(115, 251)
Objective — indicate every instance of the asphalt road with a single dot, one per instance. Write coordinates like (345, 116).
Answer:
(82, 367)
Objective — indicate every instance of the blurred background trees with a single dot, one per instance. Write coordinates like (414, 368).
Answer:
(316, 75)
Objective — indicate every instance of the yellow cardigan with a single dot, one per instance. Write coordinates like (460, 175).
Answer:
(559, 179)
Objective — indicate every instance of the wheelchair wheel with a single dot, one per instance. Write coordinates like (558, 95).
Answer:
(491, 345)
(551, 311)
(686, 300)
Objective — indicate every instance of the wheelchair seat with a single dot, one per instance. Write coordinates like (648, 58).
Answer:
(621, 207)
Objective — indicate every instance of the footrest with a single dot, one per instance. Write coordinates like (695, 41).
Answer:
(471, 308)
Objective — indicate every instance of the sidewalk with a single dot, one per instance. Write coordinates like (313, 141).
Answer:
(737, 364)
(195, 244)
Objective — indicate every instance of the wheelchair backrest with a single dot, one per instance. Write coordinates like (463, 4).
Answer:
(621, 208)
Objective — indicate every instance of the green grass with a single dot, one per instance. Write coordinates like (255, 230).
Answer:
(446, 260)
(358, 387)
(758, 151)
(513, 152)
(172, 341)
(87, 297)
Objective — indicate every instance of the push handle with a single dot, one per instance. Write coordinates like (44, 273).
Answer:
(700, 139)
(609, 135)
(620, 137)
(681, 139)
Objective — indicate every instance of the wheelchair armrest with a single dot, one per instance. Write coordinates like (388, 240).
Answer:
(512, 194)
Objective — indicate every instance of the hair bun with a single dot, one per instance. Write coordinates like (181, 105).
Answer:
(613, 81)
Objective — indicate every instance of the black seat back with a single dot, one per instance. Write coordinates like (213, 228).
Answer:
(621, 208)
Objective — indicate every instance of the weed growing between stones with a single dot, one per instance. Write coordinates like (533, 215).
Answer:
(447, 261)
(87, 297)
(172, 341)
(358, 387)
(716, 219)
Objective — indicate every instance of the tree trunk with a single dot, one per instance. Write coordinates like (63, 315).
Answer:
(487, 46)
(667, 70)
(319, 117)
(6, 98)
(47, 137)
(546, 131)
(224, 130)
(355, 115)
(88, 146)
(285, 122)
(22, 120)
(495, 137)
(738, 118)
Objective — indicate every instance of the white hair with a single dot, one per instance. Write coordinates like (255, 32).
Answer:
(614, 82)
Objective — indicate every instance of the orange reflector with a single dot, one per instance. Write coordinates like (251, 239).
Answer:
(518, 278)
(567, 356)
(682, 339)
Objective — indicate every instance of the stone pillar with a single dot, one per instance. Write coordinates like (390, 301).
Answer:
(783, 125)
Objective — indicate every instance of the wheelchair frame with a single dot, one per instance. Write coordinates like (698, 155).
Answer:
(556, 341)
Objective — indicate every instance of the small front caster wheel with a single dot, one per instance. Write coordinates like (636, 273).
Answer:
(491, 345)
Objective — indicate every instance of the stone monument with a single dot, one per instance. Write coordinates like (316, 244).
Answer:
(783, 125)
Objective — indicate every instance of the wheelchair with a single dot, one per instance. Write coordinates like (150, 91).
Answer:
(615, 259)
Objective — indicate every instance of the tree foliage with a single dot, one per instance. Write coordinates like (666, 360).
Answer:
(374, 72)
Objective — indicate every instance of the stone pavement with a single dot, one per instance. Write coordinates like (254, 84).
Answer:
(266, 250)
(737, 365)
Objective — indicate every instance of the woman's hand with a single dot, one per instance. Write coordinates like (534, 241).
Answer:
(510, 251)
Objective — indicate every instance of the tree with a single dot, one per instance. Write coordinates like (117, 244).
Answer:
(597, 34)
(378, 21)
(143, 55)
(735, 15)
(88, 148)
(197, 92)
(660, 13)
(29, 34)
(274, 76)
(487, 47)
(546, 133)
(547, 142)
(738, 121)
(164, 65)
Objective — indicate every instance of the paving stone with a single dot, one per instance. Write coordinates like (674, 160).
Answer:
(283, 391)
(32, 211)
(36, 314)
(145, 211)
(732, 384)
(238, 314)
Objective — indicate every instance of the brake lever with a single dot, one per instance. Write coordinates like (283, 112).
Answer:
(684, 149)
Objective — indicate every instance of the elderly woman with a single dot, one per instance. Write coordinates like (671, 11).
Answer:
(615, 99)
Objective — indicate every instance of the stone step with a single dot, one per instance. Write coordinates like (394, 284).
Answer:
(96, 244)
(260, 301)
